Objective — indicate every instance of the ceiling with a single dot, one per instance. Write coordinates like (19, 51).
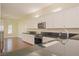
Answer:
(19, 10)
(16, 10)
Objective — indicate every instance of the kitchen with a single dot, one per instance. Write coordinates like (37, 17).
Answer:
(49, 29)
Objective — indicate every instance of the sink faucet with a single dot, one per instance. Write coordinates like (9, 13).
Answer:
(65, 29)
(60, 34)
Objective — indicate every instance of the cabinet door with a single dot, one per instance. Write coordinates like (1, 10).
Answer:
(58, 49)
(29, 38)
(72, 48)
(46, 39)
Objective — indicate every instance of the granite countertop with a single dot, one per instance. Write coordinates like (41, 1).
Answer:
(74, 31)
(70, 30)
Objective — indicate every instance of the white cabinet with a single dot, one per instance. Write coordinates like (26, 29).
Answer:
(28, 38)
(46, 39)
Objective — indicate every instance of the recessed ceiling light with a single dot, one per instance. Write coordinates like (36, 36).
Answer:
(37, 16)
(57, 10)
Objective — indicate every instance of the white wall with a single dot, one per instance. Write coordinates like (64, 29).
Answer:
(0, 25)
(68, 17)
(14, 28)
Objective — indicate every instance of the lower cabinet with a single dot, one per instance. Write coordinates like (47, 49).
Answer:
(46, 39)
(28, 38)
(71, 48)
